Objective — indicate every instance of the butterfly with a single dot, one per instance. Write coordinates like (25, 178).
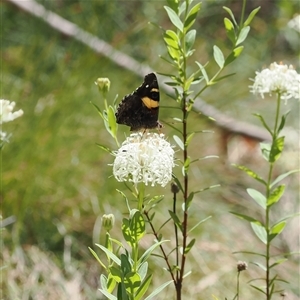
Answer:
(139, 110)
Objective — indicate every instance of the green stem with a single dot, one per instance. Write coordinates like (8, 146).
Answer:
(268, 192)
(141, 193)
(238, 286)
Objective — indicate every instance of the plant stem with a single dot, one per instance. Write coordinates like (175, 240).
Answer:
(267, 225)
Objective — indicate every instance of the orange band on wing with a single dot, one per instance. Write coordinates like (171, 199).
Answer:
(150, 103)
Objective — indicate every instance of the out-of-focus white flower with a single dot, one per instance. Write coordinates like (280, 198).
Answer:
(280, 79)
(3, 135)
(6, 114)
(144, 157)
(295, 23)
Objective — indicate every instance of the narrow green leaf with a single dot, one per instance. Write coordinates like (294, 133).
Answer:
(178, 141)
(116, 274)
(203, 71)
(278, 262)
(261, 118)
(229, 11)
(265, 149)
(260, 232)
(111, 283)
(200, 222)
(171, 39)
(251, 16)
(189, 199)
(108, 295)
(97, 258)
(171, 62)
(174, 18)
(258, 289)
(276, 229)
(189, 246)
(137, 226)
(250, 252)
(250, 173)
(190, 39)
(233, 55)
(175, 220)
(230, 30)
(149, 251)
(158, 290)
(142, 270)
(245, 217)
(173, 53)
(111, 118)
(259, 265)
(276, 149)
(276, 195)
(243, 35)
(191, 17)
(218, 56)
(282, 123)
(106, 149)
(125, 264)
(143, 288)
(223, 77)
(258, 197)
(127, 232)
(283, 176)
(132, 282)
(110, 254)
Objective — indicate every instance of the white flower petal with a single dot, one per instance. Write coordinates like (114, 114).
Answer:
(6, 114)
(144, 157)
(280, 79)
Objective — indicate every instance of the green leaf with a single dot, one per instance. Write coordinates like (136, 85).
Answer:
(251, 16)
(132, 282)
(143, 288)
(275, 195)
(203, 71)
(258, 289)
(125, 264)
(111, 118)
(189, 199)
(229, 30)
(261, 118)
(142, 270)
(259, 265)
(233, 55)
(250, 252)
(127, 232)
(190, 39)
(106, 149)
(245, 217)
(218, 56)
(175, 220)
(186, 166)
(260, 232)
(265, 149)
(171, 39)
(110, 254)
(108, 295)
(146, 254)
(174, 54)
(111, 283)
(231, 14)
(97, 258)
(116, 273)
(258, 197)
(174, 18)
(158, 290)
(189, 138)
(282, 176)
(276, 149)
(137, 226)
(282, 123)
(189, 246)
(243, 35)
(250, 173)
(278, 262)
(276, 229)
(191, 17)
(178, 141)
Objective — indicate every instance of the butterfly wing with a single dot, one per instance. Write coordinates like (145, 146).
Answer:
(140, 109)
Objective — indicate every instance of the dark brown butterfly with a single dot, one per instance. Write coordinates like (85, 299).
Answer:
(139, 110)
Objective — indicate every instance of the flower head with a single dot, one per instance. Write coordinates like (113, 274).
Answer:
(144, 157)
(278, 78)
(241, 266)
(103, 85)
(108, 221)
(6, 114)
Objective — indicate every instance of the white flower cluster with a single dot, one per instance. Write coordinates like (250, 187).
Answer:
(278, 78)
(6, 114)
(144, 157)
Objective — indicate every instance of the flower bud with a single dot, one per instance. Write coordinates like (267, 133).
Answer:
(241, 266)
(108, 221)
(103, 85)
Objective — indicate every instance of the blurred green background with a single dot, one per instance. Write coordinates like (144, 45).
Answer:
(58, 183)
